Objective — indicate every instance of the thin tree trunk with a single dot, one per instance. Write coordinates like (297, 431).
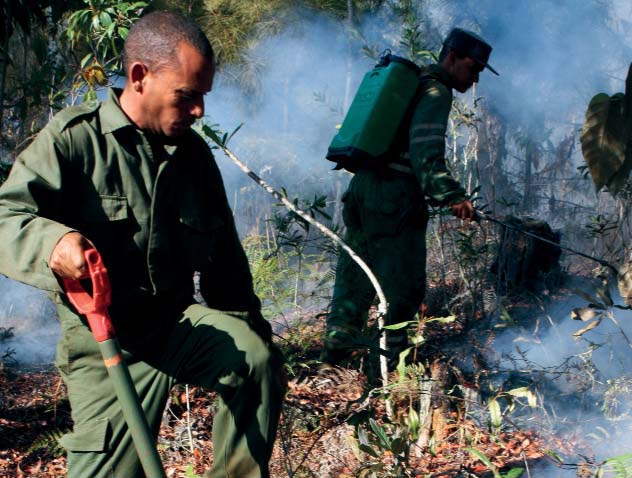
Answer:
(4, 58)
(528, 176)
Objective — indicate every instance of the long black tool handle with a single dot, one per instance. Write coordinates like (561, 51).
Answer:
(540, 238)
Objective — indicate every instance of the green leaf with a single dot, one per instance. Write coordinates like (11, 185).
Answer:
(524, 392)
(90, 95)
(211, 133)
(368, 450)
(233, 134)
(553, 455)
(443, 320)
(105, 19)
(399, 325)
(486, 461)
(401, 364)
(413, 422)
(85, 60)
(495, 414)
(513, 473)
(380, 433)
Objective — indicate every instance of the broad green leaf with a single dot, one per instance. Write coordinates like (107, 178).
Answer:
(486, 461)
(413, 422)
(399, 325)
(380, 433)
(524, 392)
(105, 19)
(495, 414)
(401, 364)
(513, 473)
(368, 450)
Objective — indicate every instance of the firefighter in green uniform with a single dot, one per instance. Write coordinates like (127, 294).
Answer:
(385, 209)
(129, 177)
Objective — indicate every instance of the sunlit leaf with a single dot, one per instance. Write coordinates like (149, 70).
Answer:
(584, 314)
(524, 392)
(443, 320)
(589, 327)
(399, 325)
(380, 433)
(486, 461)
(495, 414)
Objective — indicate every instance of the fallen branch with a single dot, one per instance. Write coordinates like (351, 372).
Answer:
(221, 142)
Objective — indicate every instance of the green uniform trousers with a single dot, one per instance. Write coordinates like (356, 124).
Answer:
(386, 219)
(209, 348)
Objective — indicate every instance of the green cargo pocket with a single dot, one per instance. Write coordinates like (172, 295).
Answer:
(89, 437)
(104, 209)
(196, 237)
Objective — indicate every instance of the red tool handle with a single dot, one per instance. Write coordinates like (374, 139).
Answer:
(95, 306)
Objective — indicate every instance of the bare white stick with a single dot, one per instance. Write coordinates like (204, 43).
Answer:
(382, 306)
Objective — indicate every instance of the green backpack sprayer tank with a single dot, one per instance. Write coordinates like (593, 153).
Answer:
(376, 113)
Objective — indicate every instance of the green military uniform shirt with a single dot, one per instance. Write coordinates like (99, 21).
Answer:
(427, 135)
(155, 213)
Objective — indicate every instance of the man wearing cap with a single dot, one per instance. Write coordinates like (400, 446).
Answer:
(385, 210)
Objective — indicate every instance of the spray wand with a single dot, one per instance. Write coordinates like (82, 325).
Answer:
(482, 215)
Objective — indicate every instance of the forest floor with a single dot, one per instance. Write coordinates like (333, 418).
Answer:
(315, 439)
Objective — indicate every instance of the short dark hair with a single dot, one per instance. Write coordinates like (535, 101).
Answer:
(154, 38)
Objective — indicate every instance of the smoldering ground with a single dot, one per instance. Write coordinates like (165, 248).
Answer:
(292, 93)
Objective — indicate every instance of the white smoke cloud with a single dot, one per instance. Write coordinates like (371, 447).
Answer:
(30, 316)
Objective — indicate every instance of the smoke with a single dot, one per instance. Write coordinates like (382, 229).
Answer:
(583, 383)
(30, 317)
(553, 56)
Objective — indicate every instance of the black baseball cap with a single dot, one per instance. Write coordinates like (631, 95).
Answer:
(469, 44)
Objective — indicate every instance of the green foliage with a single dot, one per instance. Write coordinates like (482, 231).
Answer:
(375, 440)
(100, 29)
(511, 398)
(512, 473)
(270, 271)
(616, 467)
(190, 472)
(231, 25)
(49, 441)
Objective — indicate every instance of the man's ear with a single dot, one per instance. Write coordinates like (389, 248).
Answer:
(137, 74)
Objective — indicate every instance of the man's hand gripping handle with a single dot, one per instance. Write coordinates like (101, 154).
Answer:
(95, 306)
